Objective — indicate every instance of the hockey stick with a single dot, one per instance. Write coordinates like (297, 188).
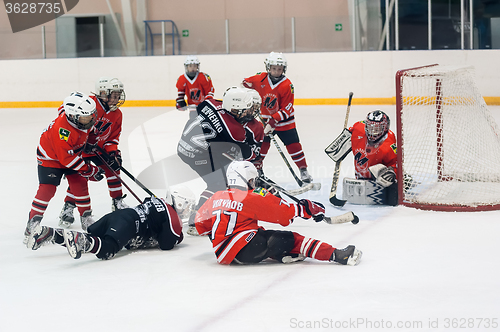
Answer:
(313, 186)
(101, 158)
(105, 154)
(342, 219)
(333, 190)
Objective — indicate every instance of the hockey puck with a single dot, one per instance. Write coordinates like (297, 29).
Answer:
(355, 220)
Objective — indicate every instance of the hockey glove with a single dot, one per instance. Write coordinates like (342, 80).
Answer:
(90, 145)
(315, 209)
(93, 173)
(384, 176)
(115, 160)
(270, 126)
(181, 105)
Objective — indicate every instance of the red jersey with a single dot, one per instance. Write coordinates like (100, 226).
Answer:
(230, 218)
(61, 144)
(366, 155)
(277, 99)
(108, 127)
(197, 89)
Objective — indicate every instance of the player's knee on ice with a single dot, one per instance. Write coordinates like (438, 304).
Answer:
(266, 244)
(279, 243)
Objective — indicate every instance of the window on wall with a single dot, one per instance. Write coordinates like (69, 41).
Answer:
(446, 24)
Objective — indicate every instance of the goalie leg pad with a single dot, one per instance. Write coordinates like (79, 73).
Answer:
(364, 192)
(340, 147)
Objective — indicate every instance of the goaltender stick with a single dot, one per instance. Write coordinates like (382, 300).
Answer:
(373, 146)
(230, 218)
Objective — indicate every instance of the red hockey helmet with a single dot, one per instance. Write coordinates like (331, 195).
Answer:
(376, 125)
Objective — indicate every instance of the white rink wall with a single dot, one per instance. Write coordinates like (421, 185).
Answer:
(315, 75)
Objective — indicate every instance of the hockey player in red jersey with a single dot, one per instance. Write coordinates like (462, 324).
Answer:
(219, 130)
(109, 96)
(152, 224)
(230, 218)
(277, 109)
(373, 146)
(59, 153)
(194, 85)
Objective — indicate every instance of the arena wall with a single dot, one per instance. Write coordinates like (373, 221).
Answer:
(318, 78)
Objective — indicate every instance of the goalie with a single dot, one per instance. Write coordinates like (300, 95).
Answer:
(375, 163)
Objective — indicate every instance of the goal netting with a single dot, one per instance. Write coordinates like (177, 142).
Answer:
(448, 141)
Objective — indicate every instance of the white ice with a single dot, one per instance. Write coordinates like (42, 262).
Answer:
(421, 270)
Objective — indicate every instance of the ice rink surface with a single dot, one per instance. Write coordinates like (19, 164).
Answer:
(421, 270)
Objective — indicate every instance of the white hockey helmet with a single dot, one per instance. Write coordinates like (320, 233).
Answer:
(183, 201)
(191, 60)
(107, 85)
(239, 102)
(257, 100)
(80, 110)
(241, 174)
(275, 59)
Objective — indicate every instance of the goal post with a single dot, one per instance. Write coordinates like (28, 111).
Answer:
(448, 142)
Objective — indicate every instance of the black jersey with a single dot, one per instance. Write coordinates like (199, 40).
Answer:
(213, 133)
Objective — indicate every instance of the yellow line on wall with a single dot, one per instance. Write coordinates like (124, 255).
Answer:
(492, 101)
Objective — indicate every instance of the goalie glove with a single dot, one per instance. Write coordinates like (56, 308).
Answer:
(384, 176)
(315, 209)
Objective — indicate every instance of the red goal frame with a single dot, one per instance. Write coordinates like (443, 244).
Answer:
(400, 74)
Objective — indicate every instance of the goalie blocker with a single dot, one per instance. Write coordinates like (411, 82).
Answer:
(340, 147)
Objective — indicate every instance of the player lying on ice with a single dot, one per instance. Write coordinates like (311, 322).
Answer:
(373, 146)
(152, 224)
(230, 219)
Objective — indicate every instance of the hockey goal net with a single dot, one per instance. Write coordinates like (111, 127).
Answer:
(448, 142)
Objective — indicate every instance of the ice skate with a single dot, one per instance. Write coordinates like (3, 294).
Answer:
(191, 227)
(118, 203)
(76, 243)
(347, 256)
(192, 231)
(41, 235)
(66, 217)
(305, 176)
(86, 219)
(32, 223)
(292, 258)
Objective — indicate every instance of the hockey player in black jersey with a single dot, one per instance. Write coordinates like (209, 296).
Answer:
(152, 224)
(222, 130)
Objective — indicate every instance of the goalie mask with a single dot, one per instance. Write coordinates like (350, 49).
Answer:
(241, 174)
(183, 200)
(191, 65)
(240, 103)
(376, 125)
(80, 110)
(110, 92)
